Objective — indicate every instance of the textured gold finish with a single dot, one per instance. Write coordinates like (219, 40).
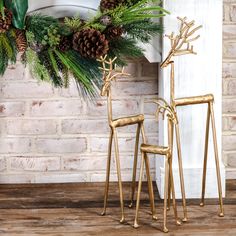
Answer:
(155, 149)
(181, 45)
(110, 73)
(131, 120)
(194, 100)
(166, 111)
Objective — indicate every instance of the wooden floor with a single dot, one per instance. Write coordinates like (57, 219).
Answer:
(74, 209)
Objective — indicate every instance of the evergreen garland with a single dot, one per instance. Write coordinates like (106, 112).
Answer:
(54, 47)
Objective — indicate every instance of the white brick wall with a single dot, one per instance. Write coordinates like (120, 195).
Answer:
(51, 135)
(229, 87)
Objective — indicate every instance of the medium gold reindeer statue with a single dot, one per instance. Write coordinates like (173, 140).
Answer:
(181, 45)
(110, 72)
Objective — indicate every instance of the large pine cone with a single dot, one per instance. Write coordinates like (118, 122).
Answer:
(114, 32)
(5, 23)
(90, 43)
(21, 41)
(111, 4)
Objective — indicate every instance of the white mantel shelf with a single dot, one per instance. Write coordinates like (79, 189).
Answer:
(86, 8)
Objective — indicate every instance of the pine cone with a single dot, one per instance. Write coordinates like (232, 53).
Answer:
(5, 23)
(111, 4)
(37, 47)
(21, 41)
(90, 43)
(106, 20)
(65, 44)
(114, 32)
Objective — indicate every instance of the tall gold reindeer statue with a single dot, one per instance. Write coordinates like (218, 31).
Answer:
(110, 72)
(181, 45)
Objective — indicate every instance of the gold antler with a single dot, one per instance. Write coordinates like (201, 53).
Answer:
(181, 43)
(164, 109)
(110, 72)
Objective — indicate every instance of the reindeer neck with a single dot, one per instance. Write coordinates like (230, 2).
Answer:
(166, 63)
(172, 82)
(109, 105)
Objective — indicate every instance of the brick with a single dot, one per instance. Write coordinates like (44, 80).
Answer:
(98, 163)
(74, 126)
(231, 159)
(3, 164)
(15, 72)
(229, 87)
(62, 145)
(225, 123)
(233, 12)
(15, 145)
(232, 124)
(229, 49)
(27, 90)
(34, 163)
(101, 144)
(70, 92)
(229, 32)
(12, 109)
(229, 70)
(18, 178)
(126, 176)
(84, 163)
(229, 142)
(149, 69)
(226, 10)
(135, 88)
(31, 127)
(132, 69)
(56, 108)
(62, 177)
(121, 108)
(229, 105)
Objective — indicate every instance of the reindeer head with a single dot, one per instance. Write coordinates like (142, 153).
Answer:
(181, 43)
(163, 108)
(110, 72)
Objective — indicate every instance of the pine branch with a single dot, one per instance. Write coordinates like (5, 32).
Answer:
(143, 30)
(124, 48)
(37, 69)
(65, 75)
(83, 76)
(48, 60)
(6, 45)
(123, 15)
(37, 23)
(3, 59)
(2, 9)
(73, 23)
(53, 62)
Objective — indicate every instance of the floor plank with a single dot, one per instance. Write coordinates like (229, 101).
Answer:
(74, 209)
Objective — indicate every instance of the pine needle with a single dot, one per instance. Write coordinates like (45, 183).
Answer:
(38, 70)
